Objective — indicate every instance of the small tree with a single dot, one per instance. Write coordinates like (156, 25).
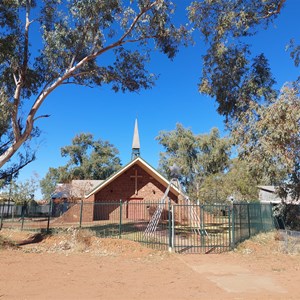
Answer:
(24, 192)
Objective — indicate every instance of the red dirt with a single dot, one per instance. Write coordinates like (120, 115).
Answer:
(80, 266)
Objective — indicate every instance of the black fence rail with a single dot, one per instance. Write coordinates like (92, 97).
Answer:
(31, 217)
(183, 228)
(201, 228)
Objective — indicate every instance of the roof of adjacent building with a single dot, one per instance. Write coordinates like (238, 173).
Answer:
(268, 195)
(268, 188)
(76, 189)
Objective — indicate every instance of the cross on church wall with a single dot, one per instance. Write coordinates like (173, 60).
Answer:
(136, 176)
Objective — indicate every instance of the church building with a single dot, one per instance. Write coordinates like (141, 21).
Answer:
(134, 183)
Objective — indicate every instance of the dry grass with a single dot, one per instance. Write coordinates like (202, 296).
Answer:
(274, 242)
(74, 240)
(261, 243)
(6, 243)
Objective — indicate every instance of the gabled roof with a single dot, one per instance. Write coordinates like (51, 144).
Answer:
(146, 167)
(75, 189)
(268, 194)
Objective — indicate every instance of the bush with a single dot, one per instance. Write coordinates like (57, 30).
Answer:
(288, 214)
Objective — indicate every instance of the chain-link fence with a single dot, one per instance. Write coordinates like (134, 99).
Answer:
(290, 241)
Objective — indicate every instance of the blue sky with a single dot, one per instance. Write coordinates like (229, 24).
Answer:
(175, 98)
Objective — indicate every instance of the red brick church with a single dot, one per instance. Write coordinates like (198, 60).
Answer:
(136, 182)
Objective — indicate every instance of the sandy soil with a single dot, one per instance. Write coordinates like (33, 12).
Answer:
(78, 266)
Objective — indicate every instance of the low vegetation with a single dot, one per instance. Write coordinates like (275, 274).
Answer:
(75, 240)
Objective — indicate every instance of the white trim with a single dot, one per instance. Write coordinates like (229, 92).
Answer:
(143, 164)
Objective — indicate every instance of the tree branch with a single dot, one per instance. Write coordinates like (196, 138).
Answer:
(275, 12)
(127, 33)
(21, 138)
(42, 116)
(22, 75)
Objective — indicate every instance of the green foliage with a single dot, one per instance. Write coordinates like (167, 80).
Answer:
(207, 172)
(197, 156)
(264, 122)
(237, 182)
(89, 159)
(6, 138)
(230, 73)
(294, 52)
(51, 179)
(269, 140)
(23, 192)
(54, 42)
(289, 214)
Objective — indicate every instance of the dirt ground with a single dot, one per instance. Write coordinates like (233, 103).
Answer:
(78, 265)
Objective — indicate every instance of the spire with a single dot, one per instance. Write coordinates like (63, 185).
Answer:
(135, 142)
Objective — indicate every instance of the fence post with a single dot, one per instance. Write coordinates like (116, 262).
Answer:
(22, 218)
(249, 221)
(170, 226)
(81, 209)
(261, 219)
(49, 215)
(202, 227)
(1, 221)
(232, 227)
(173, 228)
(120, 220)
(229, 226)
(272, 217)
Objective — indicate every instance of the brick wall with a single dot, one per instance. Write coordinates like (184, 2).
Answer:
(129, 189)
(132, 187)
(72, 215)
(123, 187)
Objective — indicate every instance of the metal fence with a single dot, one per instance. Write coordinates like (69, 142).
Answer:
(30, 217)
(183, 228)
(250, 219)
(290, 241)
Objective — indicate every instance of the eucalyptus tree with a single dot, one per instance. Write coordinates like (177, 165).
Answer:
(88, 159)
(264, 121)
(237, 183)
(46, 44)
(269, 140)
(197, 156)
(232, 74)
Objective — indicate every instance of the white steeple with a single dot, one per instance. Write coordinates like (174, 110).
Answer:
(135, 142)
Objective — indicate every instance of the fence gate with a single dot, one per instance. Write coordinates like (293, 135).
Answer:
(183, 228)
(200, 228)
